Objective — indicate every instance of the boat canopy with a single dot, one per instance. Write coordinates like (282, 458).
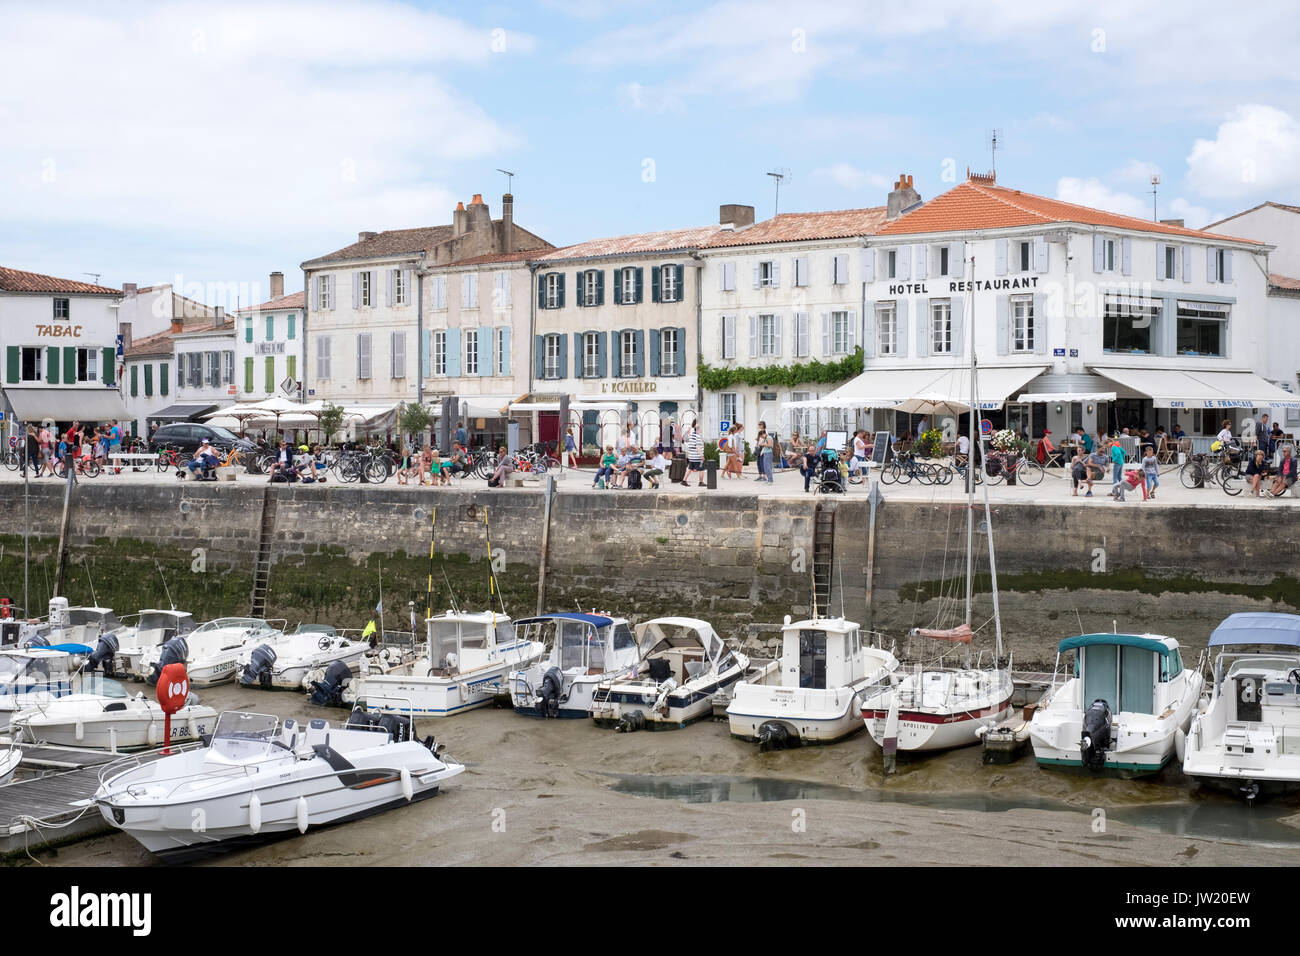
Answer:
(665, 632)
(1257, 627)
(1157, 645)
(595, 620)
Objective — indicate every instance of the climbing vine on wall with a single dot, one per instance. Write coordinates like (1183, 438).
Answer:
(822, 373)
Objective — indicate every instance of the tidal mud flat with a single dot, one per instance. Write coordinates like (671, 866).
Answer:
(566, 792)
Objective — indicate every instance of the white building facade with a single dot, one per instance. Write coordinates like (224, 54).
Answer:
(269, 346)
(205, 364)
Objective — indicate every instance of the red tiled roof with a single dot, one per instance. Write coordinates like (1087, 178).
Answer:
(520, 256)
(983, 206)
(15, 280)
(670, 240)
(1283, 282)
(394, 242)
(202, 327)
(803, 226)
(294, 300)
(160, 343)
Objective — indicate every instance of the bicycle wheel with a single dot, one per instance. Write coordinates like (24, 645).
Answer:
(348, 470)
(1029, 472)
(376, 471)
(163, 462)
(889, 473)
(903, 471)
(1231, 479)
(991, 478)
(90, 468)
(942, 474)
(59, 470)
(552, 463)
(11, 460)
(1192, 474)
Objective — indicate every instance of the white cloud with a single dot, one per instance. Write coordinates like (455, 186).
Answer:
(1256, 150)
(634, 96)
(1138, 171)
(1194, 217)
(848, 176)
(1094, 193)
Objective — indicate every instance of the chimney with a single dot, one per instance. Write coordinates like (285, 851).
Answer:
(1173, 222)
(220, 317)
(124, 329)
(507, 222)
(735, 216)
(480, 220)
(459, 220)
(363, 236)
(277, 285)
(982, 179)
(902, 198)
(129, 288)
(178, 325)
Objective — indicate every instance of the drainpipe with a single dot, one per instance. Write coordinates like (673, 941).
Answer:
(419, 331)
(699, 335)
(531, 349)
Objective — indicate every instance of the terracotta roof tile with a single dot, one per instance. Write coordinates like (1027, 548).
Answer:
(804, 226)
(1283, 282)
(161, 343)
(15, 280)
(984, 206)
(672, 240)
(294, 300)
(394, 242)
(520, 256)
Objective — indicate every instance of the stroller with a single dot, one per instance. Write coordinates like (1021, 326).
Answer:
(830, 480)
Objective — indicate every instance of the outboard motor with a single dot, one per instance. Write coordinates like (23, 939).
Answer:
(175, 651)
(103, 654)
(399, 728)
(774, 736)
(1095, 739)
(328, 691)
(39, 640)
(362, 719)
(258, 668)
(548, 695)
(635, 720)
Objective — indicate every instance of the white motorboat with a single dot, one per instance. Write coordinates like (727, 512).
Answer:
(1127, 701)
(152, 629)
(585, 650)
(100, 714)
(825, 669)
(257, 780)
(465, 664)
(1246, 737)
(211, 651)
(285, 660)
(683, 664)
(9, 761)
(32, 676)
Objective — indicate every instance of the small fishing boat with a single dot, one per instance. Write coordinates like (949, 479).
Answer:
(1138, 677)
(152, 629)
(257, 780)
(70, 625)
(585, 650)
(101, 715)
(285, 660)
(1246, 736)
(9, 761)
(825, 669)
(211, 652)
(32, 676)
(683, 664)
(466, 660)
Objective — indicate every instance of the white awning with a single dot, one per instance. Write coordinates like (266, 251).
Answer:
(1186, 389)
(66, 403)
(1052, 398)
(886, 388)
(535, 407)
(484, 406)
(608, 400)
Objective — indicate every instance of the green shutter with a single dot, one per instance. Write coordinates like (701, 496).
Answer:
(110, 366)
(248, 375)
(135, 380)
(69, 365)
(15, 364)
(293, 320)
(270, 328)
(148, 380)
(162, 378)
(291, 364)
(270, 373)
(640, 274)
(52, 365)
(248, 329)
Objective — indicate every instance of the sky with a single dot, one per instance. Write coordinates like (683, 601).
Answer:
(209, 144)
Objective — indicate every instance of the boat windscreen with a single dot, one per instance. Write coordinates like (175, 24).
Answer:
(161, 621)
(79, 616)
(573, 644)
(505, 632)
(241, 726)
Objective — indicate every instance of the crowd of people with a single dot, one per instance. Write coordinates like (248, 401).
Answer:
(44, 447)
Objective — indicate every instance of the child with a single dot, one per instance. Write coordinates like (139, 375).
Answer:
(1130, 480)
(1151, 470)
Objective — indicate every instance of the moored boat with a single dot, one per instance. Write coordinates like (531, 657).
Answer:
(211, 651)
(585, 650)
(284, 660)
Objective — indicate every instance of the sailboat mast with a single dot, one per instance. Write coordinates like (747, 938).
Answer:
(970, 464)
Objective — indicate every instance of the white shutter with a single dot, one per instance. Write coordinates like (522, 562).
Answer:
(1002, 305)
(363, 355)
(729, 336)
(801, 271)
(841, 266)
(1187, 263)
(1040, 323)
(776, 273)
(869, 333)
(1211, 266)
(1227, 265)
(922, 262)
(1126, 255)
(1000, 257)
(801, 335)
(1040, 254)
(850, 340)
(900, 333)
(756, 278)
(398, 352)
(957, 260)
(753, 336)
(923, 329)
(408, 289)
(868, 265)
(1098, 254)
(826, 333)
(729, 270)
(356, 290)
(392, 280)
(903, 262)
(1160, 262)
(776, 335)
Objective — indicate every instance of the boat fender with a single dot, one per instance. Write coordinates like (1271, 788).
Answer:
(1180, 744)
(408, 789)
(302, 814)
(254, 813)
(151, 735)
(80, 730)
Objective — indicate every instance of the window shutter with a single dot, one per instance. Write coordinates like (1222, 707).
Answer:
(1160, 261)
(654, 288)
(923, 321)
(729, 336)
(776, 335)
(356, 290)
(148, 380)
(903, 262)
(1098, 254)
(868, 265)
(958, 304)
(655, 346)
(69, 365)
(503, 300)
(602, 340)
(579, 290)
(399, 355)
(638, 347)
(451, 353)
(729, 273)
(756, 278)
(485, 343)
(869, 334)
(579, 356)
(776, 273)
(406, 285)
(1187, 263)
(270, 370)
(852, 338)
(1000, 256)
(1227, 265)
(679, 347)
(1040, 323)
(637, 291)
(563, 358)
(505, 350)
(52, 365)
(1126, 252)
(392, 281)
(600, 287)
(13, 364)
(900, 336)
(826, 333)
(426, 354)
(1040, 254)
(541, 291)
(248, 374)
(957, 259)
(922, 254)
(753, 336)
(135, 381)
(163, 372)
(1003, 306)
(442, 292)
(1211, 266)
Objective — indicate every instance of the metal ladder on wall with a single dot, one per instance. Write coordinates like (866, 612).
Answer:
(823, 557)
(262, 569)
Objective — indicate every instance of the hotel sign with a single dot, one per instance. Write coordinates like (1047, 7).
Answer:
(961, 285)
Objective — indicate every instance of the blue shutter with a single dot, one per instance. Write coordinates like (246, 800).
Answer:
(579, 356)
(579, 290)
(601, 340)
(600, 287)
(426, 354)
(1040, 323)
(564, 356)
(541, 291)
(539, 356)
(640, 275)
(638, 338)
(453, 353)
(484, 350)
(681, 283)
(655, 343)
(1003, 306)
(681, 341)
(654, 291)
(559, 293)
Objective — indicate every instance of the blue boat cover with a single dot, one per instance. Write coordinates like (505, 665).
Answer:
(1128, 640)
(71, 648)
(595, 620)
(1258, 627)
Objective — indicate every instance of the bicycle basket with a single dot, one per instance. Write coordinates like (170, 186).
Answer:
(993, 467)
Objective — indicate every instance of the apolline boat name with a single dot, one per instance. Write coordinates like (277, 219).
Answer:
(977, 285)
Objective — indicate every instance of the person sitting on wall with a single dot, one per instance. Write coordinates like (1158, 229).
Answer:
(505, 466)
(1256, 470)
(1286, 472)
(205, 462)
(282, 468)
(458, 463)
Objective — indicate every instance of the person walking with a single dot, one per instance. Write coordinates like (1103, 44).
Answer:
(694, 455)
(1117, 461)
(764, 455)
(570, 449)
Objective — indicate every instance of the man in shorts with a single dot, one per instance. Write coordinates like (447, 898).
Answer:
(694, 455)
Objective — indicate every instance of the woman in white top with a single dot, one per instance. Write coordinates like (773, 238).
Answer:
(1225, 435)
(859, 459)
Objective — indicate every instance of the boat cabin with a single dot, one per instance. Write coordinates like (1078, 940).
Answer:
(583, 643)
(681, 648)
(461, 642)
(1127, 671)
(822, 653)
(33, 671)
(230, 633)
(1257, 672)
(159, 627)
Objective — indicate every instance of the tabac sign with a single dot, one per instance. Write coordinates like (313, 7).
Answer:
(58, 331)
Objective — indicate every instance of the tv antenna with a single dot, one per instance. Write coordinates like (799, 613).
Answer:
(994, 138)
(509, 178)
(93, 275)
(778, 175)
(1155, 183)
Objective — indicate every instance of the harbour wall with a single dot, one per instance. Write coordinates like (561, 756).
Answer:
(739, 561)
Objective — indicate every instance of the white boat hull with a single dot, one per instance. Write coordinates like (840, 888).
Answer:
(683, 705)
(945, 725)
(9, 761)
(81, 721)
(434, 696)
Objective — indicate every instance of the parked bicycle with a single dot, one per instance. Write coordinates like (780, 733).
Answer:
(999, 465)
(351, 465)
(82, 464)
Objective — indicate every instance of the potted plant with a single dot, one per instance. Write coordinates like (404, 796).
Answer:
(930, 444)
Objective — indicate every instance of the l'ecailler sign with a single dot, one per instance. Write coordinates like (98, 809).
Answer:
(626, 388)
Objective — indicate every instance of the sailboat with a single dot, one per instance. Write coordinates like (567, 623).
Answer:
(935, 707)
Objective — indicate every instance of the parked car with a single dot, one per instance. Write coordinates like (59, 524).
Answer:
(187, 436)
